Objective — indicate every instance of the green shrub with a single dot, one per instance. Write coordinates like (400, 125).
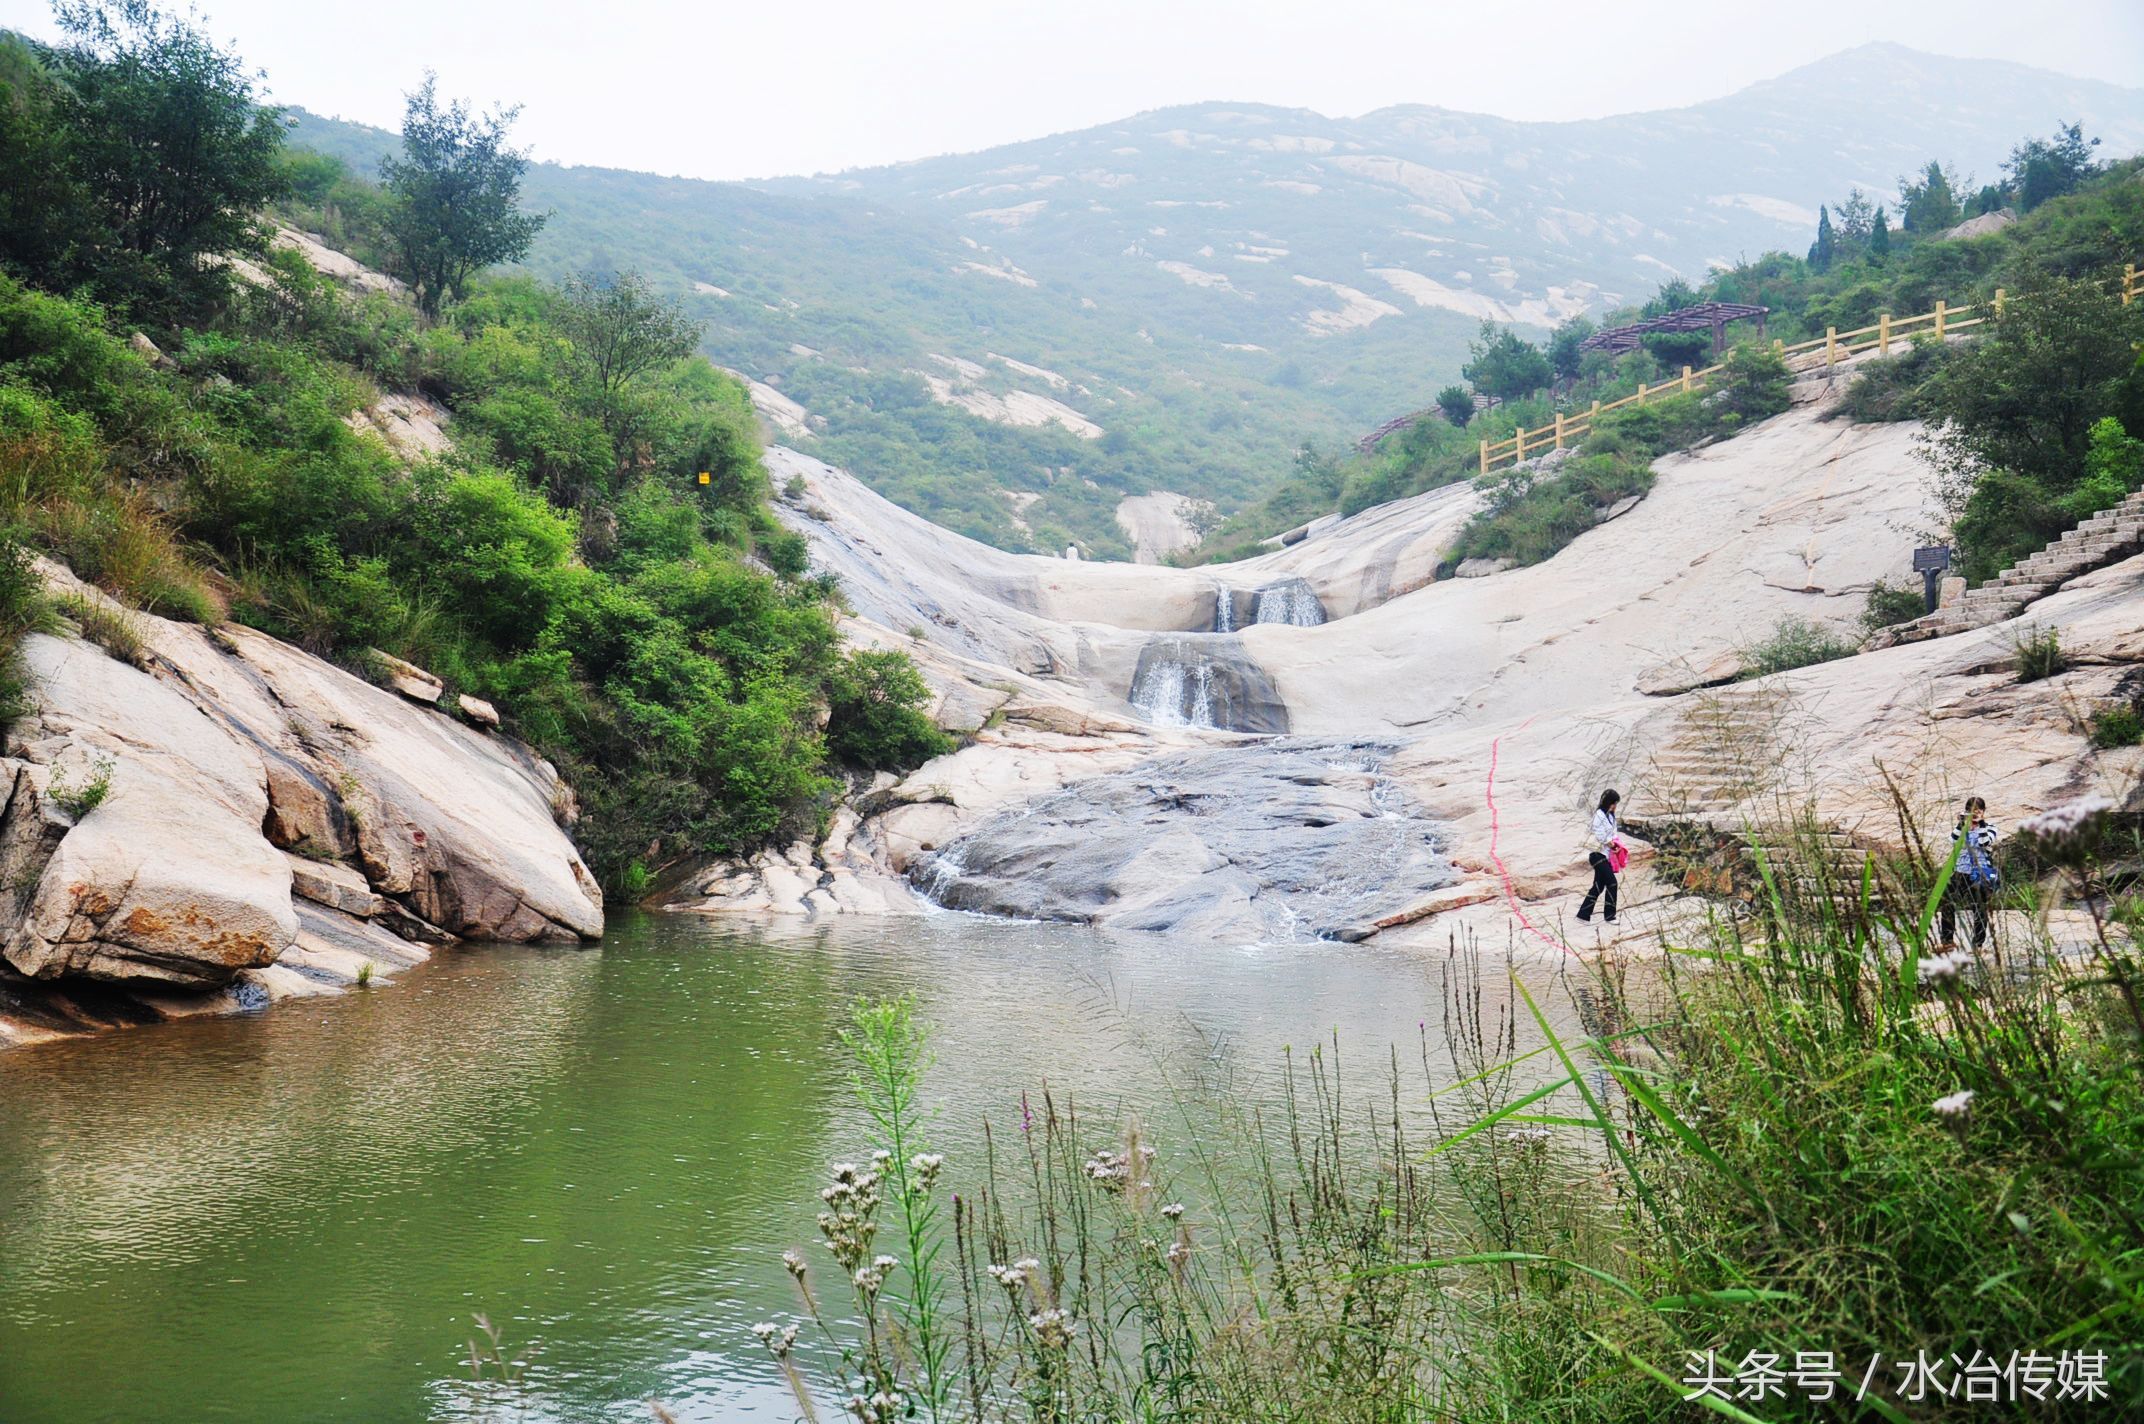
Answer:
(875, 701)
(2119, 725)
(109, 626)
(78, 799)
(2039, 655)
(1895, 387)
(1794, 643)
(1891, 604)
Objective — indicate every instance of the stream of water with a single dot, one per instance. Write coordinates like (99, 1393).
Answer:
(294, 1216)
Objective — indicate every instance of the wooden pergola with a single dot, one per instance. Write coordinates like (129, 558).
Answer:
(1705, 316)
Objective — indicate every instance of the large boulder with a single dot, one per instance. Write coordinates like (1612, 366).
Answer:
(166, 878)
(462, 828)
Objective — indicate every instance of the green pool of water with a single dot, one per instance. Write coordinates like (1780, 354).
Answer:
(294, 1216)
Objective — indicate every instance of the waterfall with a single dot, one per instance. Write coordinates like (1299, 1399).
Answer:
(1174, 686)
(1291, 601)
(1224, 609)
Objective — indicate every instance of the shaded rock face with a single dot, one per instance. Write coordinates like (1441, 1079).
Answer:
(1282, 840)
(146, 812)
(1206, 681)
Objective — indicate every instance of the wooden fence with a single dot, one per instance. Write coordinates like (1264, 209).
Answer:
(1835, 344)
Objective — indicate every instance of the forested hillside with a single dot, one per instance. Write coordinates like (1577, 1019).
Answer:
(189, 418)
(1184, 299)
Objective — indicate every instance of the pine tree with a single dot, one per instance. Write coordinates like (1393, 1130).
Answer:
(1826, 245)
(1880, 238)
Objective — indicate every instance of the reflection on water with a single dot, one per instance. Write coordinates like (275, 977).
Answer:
(294, 1217)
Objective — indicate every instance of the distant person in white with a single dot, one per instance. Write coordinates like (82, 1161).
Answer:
(1973, 879)
(1599, 838)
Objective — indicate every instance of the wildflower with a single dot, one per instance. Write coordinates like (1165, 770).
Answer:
(1954, 1106)
(1108, 1171)
(1173, 1210)
(926, 1166)
(1942, 968)
(2063, 822)
(870, 1280)
(793, 1262)
(883, 1263)
(766, 1330)
(1178, 1252)
(1052, 1327)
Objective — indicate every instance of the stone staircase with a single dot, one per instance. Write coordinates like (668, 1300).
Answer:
(2108, 536)
(1712, 803)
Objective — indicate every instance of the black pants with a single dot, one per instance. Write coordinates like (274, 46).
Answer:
(1603, 883)
(1975, 899)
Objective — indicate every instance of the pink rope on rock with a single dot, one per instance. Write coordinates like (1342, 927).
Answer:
(1511, 895)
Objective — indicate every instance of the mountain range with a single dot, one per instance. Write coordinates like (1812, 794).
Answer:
(1012, 341)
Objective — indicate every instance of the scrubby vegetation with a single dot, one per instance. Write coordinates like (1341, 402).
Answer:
(1794, 643)
(1818, 1146)
(657, 636)
(2032, 416)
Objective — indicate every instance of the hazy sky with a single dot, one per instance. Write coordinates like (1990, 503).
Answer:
(734, 90)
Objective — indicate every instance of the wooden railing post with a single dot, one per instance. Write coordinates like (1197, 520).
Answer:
(1939, 318)
(2129, 282)
(1883, 334)
(1559, 430)
(1779, 345)
(1831, 346)
(1641, 393)
(1485, 457)
(1686, 380)
(1595, 413)
(1998, 303)
(1518, 445)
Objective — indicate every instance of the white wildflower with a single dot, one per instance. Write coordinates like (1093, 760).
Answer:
(1942, 968)
(1052, 1327)
(1173, 1210)
(1178, 1252)
(766, 1330)
(2061, 822)
(1955, 1105)
(793, 1262)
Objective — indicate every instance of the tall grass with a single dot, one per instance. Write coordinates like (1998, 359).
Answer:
(1806, 1133)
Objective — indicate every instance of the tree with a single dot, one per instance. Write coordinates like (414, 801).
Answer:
(172, 151)
(1457, 403)
(1988, 200)
(1826, 246)
(2040, 169)
(2014, 414)
(620, 330)
(1879, 237)
(1856, 216)
(1505, 366)
(1563, 344)
(454, 196)
(1930, 204)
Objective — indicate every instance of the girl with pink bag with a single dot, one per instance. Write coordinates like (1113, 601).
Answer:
(1607, 854)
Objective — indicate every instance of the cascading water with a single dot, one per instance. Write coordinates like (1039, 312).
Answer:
(1174, 685)
(1291, 601)
(1224, 609)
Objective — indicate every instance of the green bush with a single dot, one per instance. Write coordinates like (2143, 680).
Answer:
(1794, 643)
(1891, 604)
(1897, 387)
(2120, 725)
(2039, 655)
(876, 700)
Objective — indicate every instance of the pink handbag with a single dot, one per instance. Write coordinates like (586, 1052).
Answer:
(1618, 856)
